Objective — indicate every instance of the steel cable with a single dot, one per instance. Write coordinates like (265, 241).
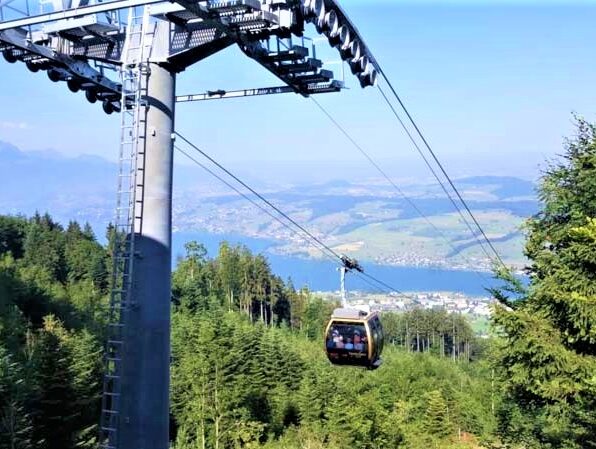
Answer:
(325, 249)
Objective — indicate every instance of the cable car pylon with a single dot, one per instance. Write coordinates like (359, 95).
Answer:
(120, 349)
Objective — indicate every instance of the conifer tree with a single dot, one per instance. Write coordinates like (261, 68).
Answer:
(437, 414)
(44, 246)
(85, 370)
(15, 420)
(55, 414)
(548, 355)
(12, 235)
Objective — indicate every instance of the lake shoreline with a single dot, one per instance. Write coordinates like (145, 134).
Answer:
(322, 275)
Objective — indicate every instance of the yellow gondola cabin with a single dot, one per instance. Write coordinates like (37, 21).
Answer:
(354, 337)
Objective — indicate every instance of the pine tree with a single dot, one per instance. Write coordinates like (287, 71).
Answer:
(85, 370)
(44, 246)
(437, 414)
(548, 355)
(55, 406)
(12, 235)
(280, 302)
(15, 420)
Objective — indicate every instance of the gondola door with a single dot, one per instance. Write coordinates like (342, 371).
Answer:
(376, 331)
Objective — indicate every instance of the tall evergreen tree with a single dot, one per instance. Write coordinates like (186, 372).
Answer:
(12, 235)
(85, 369)
(437, 414)
(44, 246)
(15, 420)
(548, 355)
(55, 405)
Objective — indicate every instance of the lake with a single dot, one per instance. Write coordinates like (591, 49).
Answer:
(322, 275)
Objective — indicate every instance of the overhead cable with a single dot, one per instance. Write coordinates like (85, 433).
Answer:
(364, 277)
(261, 197)
(437, 177)
(326, 250)
(256, 204)
(389, 180)
(387, 286)
(276, 218)
(437, 161)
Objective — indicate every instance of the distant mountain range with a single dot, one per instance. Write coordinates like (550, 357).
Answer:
(81, 187)
(343, 212)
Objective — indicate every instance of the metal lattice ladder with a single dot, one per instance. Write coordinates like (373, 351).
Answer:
(129, 215)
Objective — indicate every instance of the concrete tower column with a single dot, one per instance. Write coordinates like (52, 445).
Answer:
(143, 422)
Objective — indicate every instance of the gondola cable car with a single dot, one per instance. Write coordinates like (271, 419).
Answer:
(353, 337)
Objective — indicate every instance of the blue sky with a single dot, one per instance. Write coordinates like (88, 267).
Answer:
(492, 84)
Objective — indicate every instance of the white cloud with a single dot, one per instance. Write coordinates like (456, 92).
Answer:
(14, 125)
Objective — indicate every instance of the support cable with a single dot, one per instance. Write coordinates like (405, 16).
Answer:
(383, 284)
(314, 241)
(436, 176)
(261, 197)
(395, 186)
(256, 204)
(283, 223)
(439, 164)
(380, 285)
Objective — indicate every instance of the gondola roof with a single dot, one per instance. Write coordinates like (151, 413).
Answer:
(349, 314)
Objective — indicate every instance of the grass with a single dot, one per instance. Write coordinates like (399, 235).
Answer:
(480, 324)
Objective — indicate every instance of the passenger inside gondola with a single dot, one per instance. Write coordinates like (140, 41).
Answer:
(358, 345)
(349, 337)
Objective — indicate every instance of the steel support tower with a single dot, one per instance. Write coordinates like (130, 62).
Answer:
(146, 349)
(124, 55)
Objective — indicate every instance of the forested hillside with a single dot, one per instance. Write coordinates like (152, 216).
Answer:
(243, 377)
(248, 366)
(53, 286)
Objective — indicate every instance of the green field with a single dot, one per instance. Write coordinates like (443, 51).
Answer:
(415, 238)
